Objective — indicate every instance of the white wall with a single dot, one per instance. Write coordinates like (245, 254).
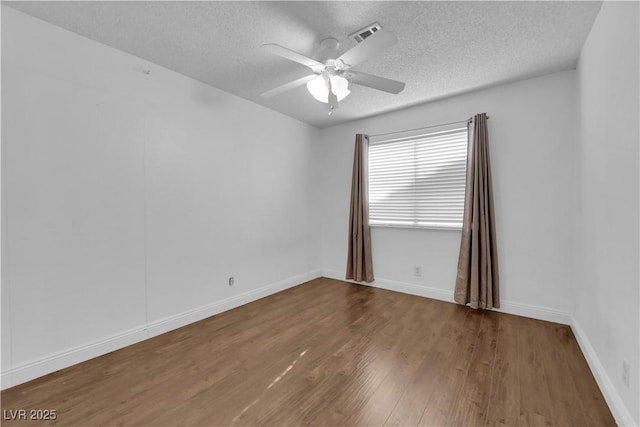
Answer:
(531, 132)
(5, 312)
(131, 197)
(606, 286)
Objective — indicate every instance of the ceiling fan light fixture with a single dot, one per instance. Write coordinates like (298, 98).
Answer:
(320, 90)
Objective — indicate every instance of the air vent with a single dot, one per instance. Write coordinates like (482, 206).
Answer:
(365, 32)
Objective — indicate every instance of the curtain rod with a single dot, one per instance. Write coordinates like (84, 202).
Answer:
(426, 127)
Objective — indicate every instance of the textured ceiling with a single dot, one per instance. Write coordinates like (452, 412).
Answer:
(444, 48)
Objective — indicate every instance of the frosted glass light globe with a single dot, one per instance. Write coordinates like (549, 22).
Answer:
(320, 91)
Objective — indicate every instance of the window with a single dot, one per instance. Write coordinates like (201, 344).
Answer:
(418, 180)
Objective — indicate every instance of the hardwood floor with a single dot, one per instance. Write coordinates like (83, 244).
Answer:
(332, 353)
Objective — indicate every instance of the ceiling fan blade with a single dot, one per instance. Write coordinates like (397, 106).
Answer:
(288, 86)
(291, 55)
(368, 47)
(376, 82)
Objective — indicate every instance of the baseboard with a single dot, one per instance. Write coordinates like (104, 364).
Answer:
(617, 406)
(509, 307)
(54, 362)
(534, 312)
(392, 285)
(174, 322)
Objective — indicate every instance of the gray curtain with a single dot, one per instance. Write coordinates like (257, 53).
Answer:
(359, 259)
(477, 281)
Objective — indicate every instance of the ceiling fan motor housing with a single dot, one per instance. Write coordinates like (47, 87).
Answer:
(330, 44)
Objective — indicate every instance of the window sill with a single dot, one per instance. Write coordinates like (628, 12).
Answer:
(418, 227)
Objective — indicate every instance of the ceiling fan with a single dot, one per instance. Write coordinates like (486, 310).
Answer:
(330, 80)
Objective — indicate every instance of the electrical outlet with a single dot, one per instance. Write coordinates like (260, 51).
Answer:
(625, 372)
(231, 280)
(417, 271)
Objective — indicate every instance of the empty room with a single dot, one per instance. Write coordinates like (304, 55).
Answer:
(331, 213)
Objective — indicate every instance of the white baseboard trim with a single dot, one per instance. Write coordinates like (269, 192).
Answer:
(510, 307)
(391, 285)
(54, 362)
(534, 312)
(617, 406)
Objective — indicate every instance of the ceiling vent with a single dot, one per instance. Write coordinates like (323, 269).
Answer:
(365, 32)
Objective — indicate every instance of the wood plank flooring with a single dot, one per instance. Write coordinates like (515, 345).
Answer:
(331, 353)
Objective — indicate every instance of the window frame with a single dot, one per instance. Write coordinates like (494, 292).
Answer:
(401, 136)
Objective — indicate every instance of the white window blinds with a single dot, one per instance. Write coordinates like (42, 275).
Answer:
(418, 180)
